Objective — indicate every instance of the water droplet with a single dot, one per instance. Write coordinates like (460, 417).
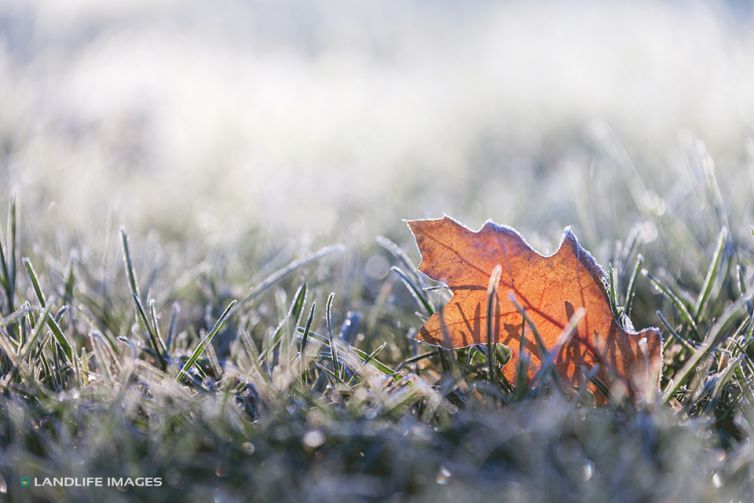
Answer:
(588, 470)
(248, 448)
(221, 469)
(443, 475)
(314, 439)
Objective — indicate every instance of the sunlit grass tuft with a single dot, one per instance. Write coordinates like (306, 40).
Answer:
(148, 366)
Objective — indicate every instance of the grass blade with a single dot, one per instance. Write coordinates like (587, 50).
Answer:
(492, 304)
(674, 299)
(154, 341)
(57, 332)
(128, 263)
(631, 289)
(331, 334)
(158, 346)
(203, 343)
(709, 344)
(414, 290)
(8, 263)
(712, 272)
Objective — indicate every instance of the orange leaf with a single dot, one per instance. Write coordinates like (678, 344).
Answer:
(566, 287)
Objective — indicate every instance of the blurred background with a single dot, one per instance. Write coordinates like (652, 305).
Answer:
(307, 120)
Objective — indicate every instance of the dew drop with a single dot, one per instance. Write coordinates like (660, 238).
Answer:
(314, 439)
(588, 470)
(248, 448)
(443, 475)
(221, 469)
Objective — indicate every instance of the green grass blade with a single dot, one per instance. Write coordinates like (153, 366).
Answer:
(128, 264)
(305, 340)
(307, 327)
(414, 289)
(153, 340)
(34, 281)
(712, 273)
(331, 334)
(297, 307)
(522, 367)
(5, 277)
(631, 289)
(397, 252)
(156, 326)
(492, 303)
(203, 343)
(709, 344)
(158, 346)
(291, 318)
(57, 332)
(674, 299)
(612, 290)
(675, 335)
(10, 260)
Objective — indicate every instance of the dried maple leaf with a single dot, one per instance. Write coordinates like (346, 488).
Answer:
(564, 297)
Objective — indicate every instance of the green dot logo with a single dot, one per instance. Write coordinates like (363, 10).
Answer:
(25, 481)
